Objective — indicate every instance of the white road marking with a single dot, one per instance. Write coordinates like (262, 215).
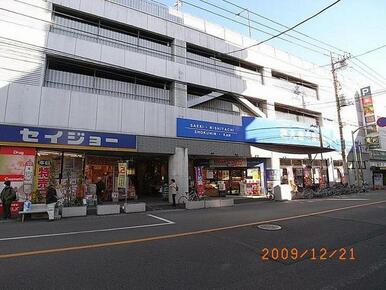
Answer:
(162, 219)
(167, 222)
(345, 199)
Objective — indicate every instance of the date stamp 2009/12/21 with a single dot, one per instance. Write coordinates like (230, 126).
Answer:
(313, 254)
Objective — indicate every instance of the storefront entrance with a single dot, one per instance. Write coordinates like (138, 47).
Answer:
(220, 177)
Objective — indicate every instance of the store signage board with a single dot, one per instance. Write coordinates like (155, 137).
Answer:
(378, 155)
(262, 130)
(208, 130)
(258, 130)
(381, 122)
(61, 138)
(122, 175)
(372, 136)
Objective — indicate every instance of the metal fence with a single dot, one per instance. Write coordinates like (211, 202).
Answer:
(96, 85)
(104, 35)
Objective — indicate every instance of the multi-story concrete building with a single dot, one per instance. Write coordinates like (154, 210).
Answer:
(137, 93)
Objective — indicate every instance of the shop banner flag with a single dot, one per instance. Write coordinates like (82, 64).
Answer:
(199, 180)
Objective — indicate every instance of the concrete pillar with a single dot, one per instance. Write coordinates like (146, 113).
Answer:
(178, 95)
(178, 170)
(179, 51)
(266, 75)
(274, 163)
(269, 109)
(331, 171)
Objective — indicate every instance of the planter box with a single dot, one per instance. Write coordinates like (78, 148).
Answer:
(213, 203)
(74, 211)
(227, 202)
(108, 209)
(135, 207)
(195, 204)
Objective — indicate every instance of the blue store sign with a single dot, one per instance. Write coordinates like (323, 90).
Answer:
(259, 130)
(208, 130)
(60, 138)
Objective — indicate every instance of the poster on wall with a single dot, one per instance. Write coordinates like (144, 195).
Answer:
(17, 165)
(199, 180)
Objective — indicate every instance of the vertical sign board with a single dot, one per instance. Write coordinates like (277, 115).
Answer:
(122, 175)
(372, 136)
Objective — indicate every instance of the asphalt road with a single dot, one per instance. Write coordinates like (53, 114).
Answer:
(204, 249)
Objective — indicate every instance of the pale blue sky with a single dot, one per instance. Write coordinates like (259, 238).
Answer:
(351, 25)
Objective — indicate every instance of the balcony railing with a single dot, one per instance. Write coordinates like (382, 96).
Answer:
(77, 29)
(152, 8)
(96, 85)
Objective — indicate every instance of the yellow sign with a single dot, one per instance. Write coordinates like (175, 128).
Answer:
(122, 175)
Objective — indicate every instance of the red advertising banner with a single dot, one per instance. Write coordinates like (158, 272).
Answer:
(16, 164)
(199, 180)
(43, 176)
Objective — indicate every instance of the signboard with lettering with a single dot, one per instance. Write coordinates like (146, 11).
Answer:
(262, 130)
(61, 138)
(208, 130)
(372, 138)
(259, 130)
(122, 175)
(378, 155)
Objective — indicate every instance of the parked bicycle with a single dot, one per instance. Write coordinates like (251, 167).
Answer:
(188, 196)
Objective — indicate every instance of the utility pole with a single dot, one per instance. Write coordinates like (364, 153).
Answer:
(321, 178)
(334, 68)
(178, 5)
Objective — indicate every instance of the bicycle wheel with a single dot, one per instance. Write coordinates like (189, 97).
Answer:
(182, 199)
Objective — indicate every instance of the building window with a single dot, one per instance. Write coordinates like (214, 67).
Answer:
(295, 85)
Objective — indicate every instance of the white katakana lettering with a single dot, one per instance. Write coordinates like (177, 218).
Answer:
(75, 138)
(29, 136)
(54, 138)
(95, 141)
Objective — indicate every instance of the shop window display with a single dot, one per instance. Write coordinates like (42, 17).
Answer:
(253, 181)
(64, 171)
(219, 181)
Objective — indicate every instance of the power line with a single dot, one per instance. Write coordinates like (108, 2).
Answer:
(261, 24)
(369, 51)
(367, 74)
(289, 29)
(215, 66)
(257, 29)
(119, 41)
(282, 25)
(381, 77)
